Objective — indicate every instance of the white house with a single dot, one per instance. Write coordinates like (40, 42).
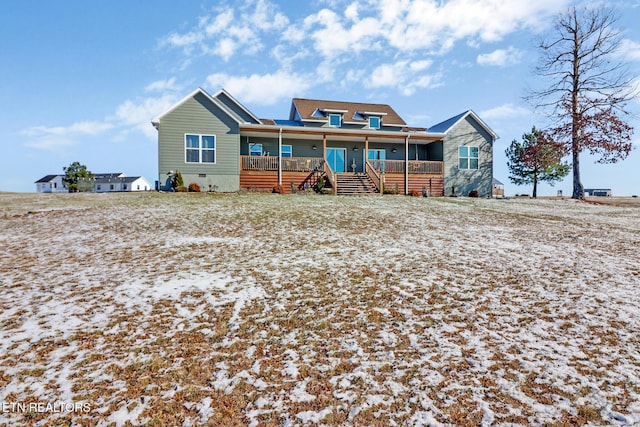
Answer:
(102, 183)
(106, 183)
(50, 184)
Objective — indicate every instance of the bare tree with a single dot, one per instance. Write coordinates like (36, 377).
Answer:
(586, 87)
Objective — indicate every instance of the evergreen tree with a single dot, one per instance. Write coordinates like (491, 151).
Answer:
(77, 178)
(535, 159)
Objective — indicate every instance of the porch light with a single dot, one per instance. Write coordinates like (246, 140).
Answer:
(355, 148)
(314, 147)
(394, 150)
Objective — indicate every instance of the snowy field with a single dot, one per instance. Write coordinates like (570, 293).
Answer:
(265, 310)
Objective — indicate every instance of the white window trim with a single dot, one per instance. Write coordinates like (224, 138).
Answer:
(469, 157)
(335, 115)
(201, 149)
(290, 149)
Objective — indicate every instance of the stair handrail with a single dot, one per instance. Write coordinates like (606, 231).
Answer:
(330, 176)
(374, 176)
(310, 179)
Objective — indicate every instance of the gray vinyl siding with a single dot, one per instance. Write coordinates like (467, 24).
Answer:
(300, 148)
(198, 115)
(468, 133)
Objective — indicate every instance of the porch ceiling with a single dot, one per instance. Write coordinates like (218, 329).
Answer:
(334, 134)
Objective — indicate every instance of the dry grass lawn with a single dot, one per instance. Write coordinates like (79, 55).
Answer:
(200, 309)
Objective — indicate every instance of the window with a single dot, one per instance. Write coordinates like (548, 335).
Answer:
(335, 120)
(287, 151)
(111, 187)
(374, 122)
(468, 157)
(199, 148)
(124, 186)
(255, 149)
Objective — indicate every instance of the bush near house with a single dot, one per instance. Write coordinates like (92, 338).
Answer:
(278, 189)
(194, 188)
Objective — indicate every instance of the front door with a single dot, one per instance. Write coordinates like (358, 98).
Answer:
(337, 158)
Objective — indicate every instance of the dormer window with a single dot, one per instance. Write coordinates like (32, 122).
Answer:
(335, 120)
(374, 122)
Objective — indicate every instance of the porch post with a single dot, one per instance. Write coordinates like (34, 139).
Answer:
(406, 165)
(324, 147)
(280, 157)
(366, 154)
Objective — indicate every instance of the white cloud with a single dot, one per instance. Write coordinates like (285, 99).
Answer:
(501, 57)
(406, 76)
(138, 114)
(630, 50)
(505, 111)
(228, 31)
(265, 89)
(162, 85)
(129, 116)
(52, 138)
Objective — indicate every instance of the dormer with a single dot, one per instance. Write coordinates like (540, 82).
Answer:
(338, 114)
(374, 118)
(333, 115)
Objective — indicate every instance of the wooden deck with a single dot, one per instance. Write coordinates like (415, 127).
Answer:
(260, 173)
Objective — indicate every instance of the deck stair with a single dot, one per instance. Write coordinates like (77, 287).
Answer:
(355, 185)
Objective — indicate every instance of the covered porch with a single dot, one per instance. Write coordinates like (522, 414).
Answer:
(398, 162)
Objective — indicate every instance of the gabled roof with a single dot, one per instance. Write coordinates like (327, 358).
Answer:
(130, 179)
(496, 182)
(447, 125)
(47, 178)
(106, 176)
(214, 100)
(237, 103)
(354, 112)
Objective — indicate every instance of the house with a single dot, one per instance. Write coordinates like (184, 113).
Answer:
(100, 183)
(352, 147)
(50, 184)
(109, 182)
(498, 188)
(597, 192)
(112, 182)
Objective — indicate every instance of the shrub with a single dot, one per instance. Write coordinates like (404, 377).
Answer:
(182, 189)
(278, 189)
(416, 193)
(179, 181)
(320, 183)
(473, 193)
(194, 188)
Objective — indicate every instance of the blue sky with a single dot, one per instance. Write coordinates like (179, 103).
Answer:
(82, 80)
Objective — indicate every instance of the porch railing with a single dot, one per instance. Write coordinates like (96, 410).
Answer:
(289, 164)
(259, 163)
(373, 175)
(415, 166)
